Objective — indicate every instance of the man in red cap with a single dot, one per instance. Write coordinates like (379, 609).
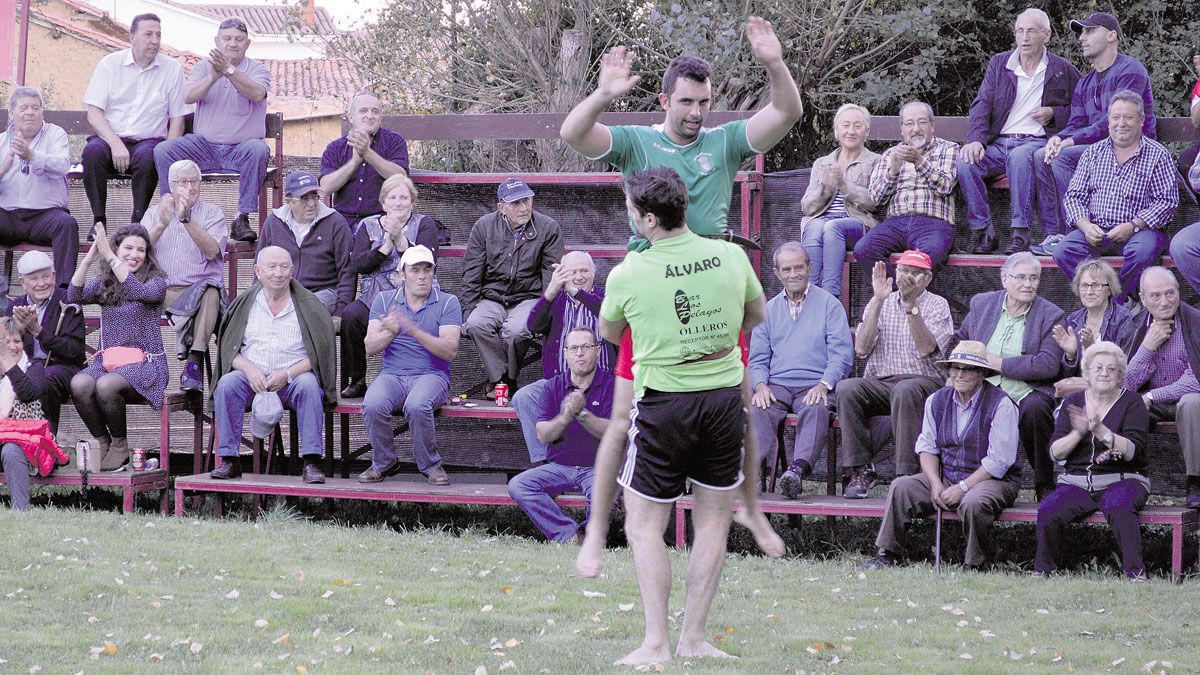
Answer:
(902, 334)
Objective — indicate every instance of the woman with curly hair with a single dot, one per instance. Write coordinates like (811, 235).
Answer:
(130, 291)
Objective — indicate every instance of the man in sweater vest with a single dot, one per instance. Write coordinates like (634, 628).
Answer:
(797, 356)
(968, 452)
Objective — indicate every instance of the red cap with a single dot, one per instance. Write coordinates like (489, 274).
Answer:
(915, 258)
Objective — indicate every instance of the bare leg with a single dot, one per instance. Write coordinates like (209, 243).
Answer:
(751, 516)
(604, 483)
(710, 517)
(645, 523)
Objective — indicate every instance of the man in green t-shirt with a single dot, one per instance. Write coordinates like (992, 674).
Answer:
(685, 299)
(706, 159)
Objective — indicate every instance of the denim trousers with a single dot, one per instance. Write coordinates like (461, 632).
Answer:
(232, 396)
(1012, 156)
(826, 241)
(417, 397)
(535, 490)
(248, 158)
(528, 404)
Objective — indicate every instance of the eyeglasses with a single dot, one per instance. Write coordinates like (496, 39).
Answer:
(580, 349)
(187, 181)
(913, 124)
(1025, 278)
(1104, 370)
(1092, 286)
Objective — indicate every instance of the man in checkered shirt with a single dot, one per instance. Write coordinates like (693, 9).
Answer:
(1121, 198)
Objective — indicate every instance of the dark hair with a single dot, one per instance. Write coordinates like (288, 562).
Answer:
(660, 191)
(112, 292)
(692, 67)
(143, 17)
(584, 329)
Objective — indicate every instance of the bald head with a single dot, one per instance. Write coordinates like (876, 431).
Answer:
(580, 270)
(273, 268)
(1159, 291)
(365, 112)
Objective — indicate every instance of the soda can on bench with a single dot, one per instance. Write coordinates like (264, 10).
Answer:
(138, 461)
(502, 394)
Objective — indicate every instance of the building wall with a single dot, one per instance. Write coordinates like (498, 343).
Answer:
(60, 65)
(308, 137)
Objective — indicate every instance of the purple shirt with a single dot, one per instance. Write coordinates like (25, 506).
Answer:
(576, 446)
(1166, 369)
(1108, 193)
(556, 318)
(41, 183)
(359, 197)
(1089, 102)
(178, 253)
(224, 115)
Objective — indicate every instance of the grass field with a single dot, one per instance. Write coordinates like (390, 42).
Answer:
(102, 592)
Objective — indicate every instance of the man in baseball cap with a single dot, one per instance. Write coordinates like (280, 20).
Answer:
(510, 258)
(53, 334)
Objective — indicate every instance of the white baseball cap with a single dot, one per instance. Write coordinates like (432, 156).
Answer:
(416, 254)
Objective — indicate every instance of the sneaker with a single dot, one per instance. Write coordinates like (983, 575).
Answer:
(1048, 245)
(240, 230)
(791, 484)
(191, 379)
(881, 560)
(1019, 242)
(860, 483)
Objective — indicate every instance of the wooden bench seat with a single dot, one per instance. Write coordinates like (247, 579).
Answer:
(1180, 520)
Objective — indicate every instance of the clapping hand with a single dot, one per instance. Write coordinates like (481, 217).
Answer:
(1066, 339)
(359, 140)
(572, 404)
(220, 62)
(26, 315)
(1080, 422)
(881, 283)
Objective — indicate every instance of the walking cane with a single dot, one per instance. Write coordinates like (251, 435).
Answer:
(937, 544)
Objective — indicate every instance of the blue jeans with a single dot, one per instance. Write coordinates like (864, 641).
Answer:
(1139, 252)
(535, 490)
(1185, 251)
(417, 396)
(1013, 157)
(826, 241)
(895, 234)
(528, 404)
(16, 473)
(1056, 176)
(248, 158)
(233, 394)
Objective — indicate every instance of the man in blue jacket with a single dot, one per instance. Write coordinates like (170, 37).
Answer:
(1025, 98)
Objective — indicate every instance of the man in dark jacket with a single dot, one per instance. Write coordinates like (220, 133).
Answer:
(1025, 98)
(318, 240)
(510, 259)
(53, 335)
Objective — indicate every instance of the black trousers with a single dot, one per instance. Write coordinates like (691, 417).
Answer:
(98, 168)
(53, 227)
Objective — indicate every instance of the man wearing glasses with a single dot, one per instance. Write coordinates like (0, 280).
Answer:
(575, 408)
(916, 180)
(189, 237)
(230, 93)
(318, 240)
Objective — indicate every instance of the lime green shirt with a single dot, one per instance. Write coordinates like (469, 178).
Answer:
(684, 298)
(1006, 341)
(707, 165)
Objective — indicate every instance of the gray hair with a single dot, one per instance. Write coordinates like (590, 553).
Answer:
(790, 247)
(1155, 270)
(23, 92)
(1042, 17)
(180, 167)
(1102, 271)
(928, 108)
(852, 107)
(359, 94)
(1019, 258)
(1104, 347)
(1128, 96)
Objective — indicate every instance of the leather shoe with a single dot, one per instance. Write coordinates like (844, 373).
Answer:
(1019, 243)
(984, 242)
(230, 468)
(313, 474)
(373, 475)
(240, 230)
(190, 379)
(437, 476)
(356, 389)
(881, 560)
(1193, 498)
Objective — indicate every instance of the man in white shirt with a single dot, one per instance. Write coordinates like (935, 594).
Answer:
(134, 100)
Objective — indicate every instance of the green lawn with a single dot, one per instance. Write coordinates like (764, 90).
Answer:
(91, 591)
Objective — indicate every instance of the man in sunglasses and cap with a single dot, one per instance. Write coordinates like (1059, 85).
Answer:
(968, 451)
(510, 259)
(230, 93)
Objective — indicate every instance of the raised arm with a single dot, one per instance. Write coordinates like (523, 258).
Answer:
(581, 129)
(771, 124)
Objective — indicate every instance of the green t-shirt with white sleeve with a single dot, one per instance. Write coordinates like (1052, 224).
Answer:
(707, 165)
(684, 298)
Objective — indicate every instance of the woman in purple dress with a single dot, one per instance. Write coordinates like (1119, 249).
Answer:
(130, 292)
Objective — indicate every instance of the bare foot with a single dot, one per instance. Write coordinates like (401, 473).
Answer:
(645, 654)
(588, 562)
(702, 649)
(764, 535)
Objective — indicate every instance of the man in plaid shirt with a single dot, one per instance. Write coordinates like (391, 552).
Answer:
(916, 180)
(1121, 198)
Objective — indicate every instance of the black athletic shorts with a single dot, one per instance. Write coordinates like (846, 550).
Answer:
(674, 437)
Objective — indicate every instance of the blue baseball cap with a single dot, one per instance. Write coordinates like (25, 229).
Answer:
(513, 189)
(300, 183)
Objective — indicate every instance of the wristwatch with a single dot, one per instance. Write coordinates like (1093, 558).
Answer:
(1108, 439)
(230, 71)
(583, 415)
(915, 311)
(962, 485)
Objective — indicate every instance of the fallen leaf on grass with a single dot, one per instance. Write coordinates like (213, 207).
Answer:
(987, 634)
(1117, 662)
(485, 608)
(431, 640)
(196, 647)
(156, 657)
(233, 595)
(593, 594)
(511, 642)
(327, 594)
(507, 665)
(275, 596)
(261, 623)
(507, 590)
(626, 607)
(302, 670)
(481, 670)
(389, 602)
(341, 582)
(965, 657)
(285, 639)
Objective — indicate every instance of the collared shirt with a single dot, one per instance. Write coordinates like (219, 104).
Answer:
(794, 308)
(1002, 436)
(1007, 341)
(42, 182)
(178, 253)
(1166, 369)
(1109, 193)
(359, 197)
(225, 115)
(577, 446)
(927, 188)
(405, 355)
(895, 351)
(273, 342)
(1028, 96)
(137, 102)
